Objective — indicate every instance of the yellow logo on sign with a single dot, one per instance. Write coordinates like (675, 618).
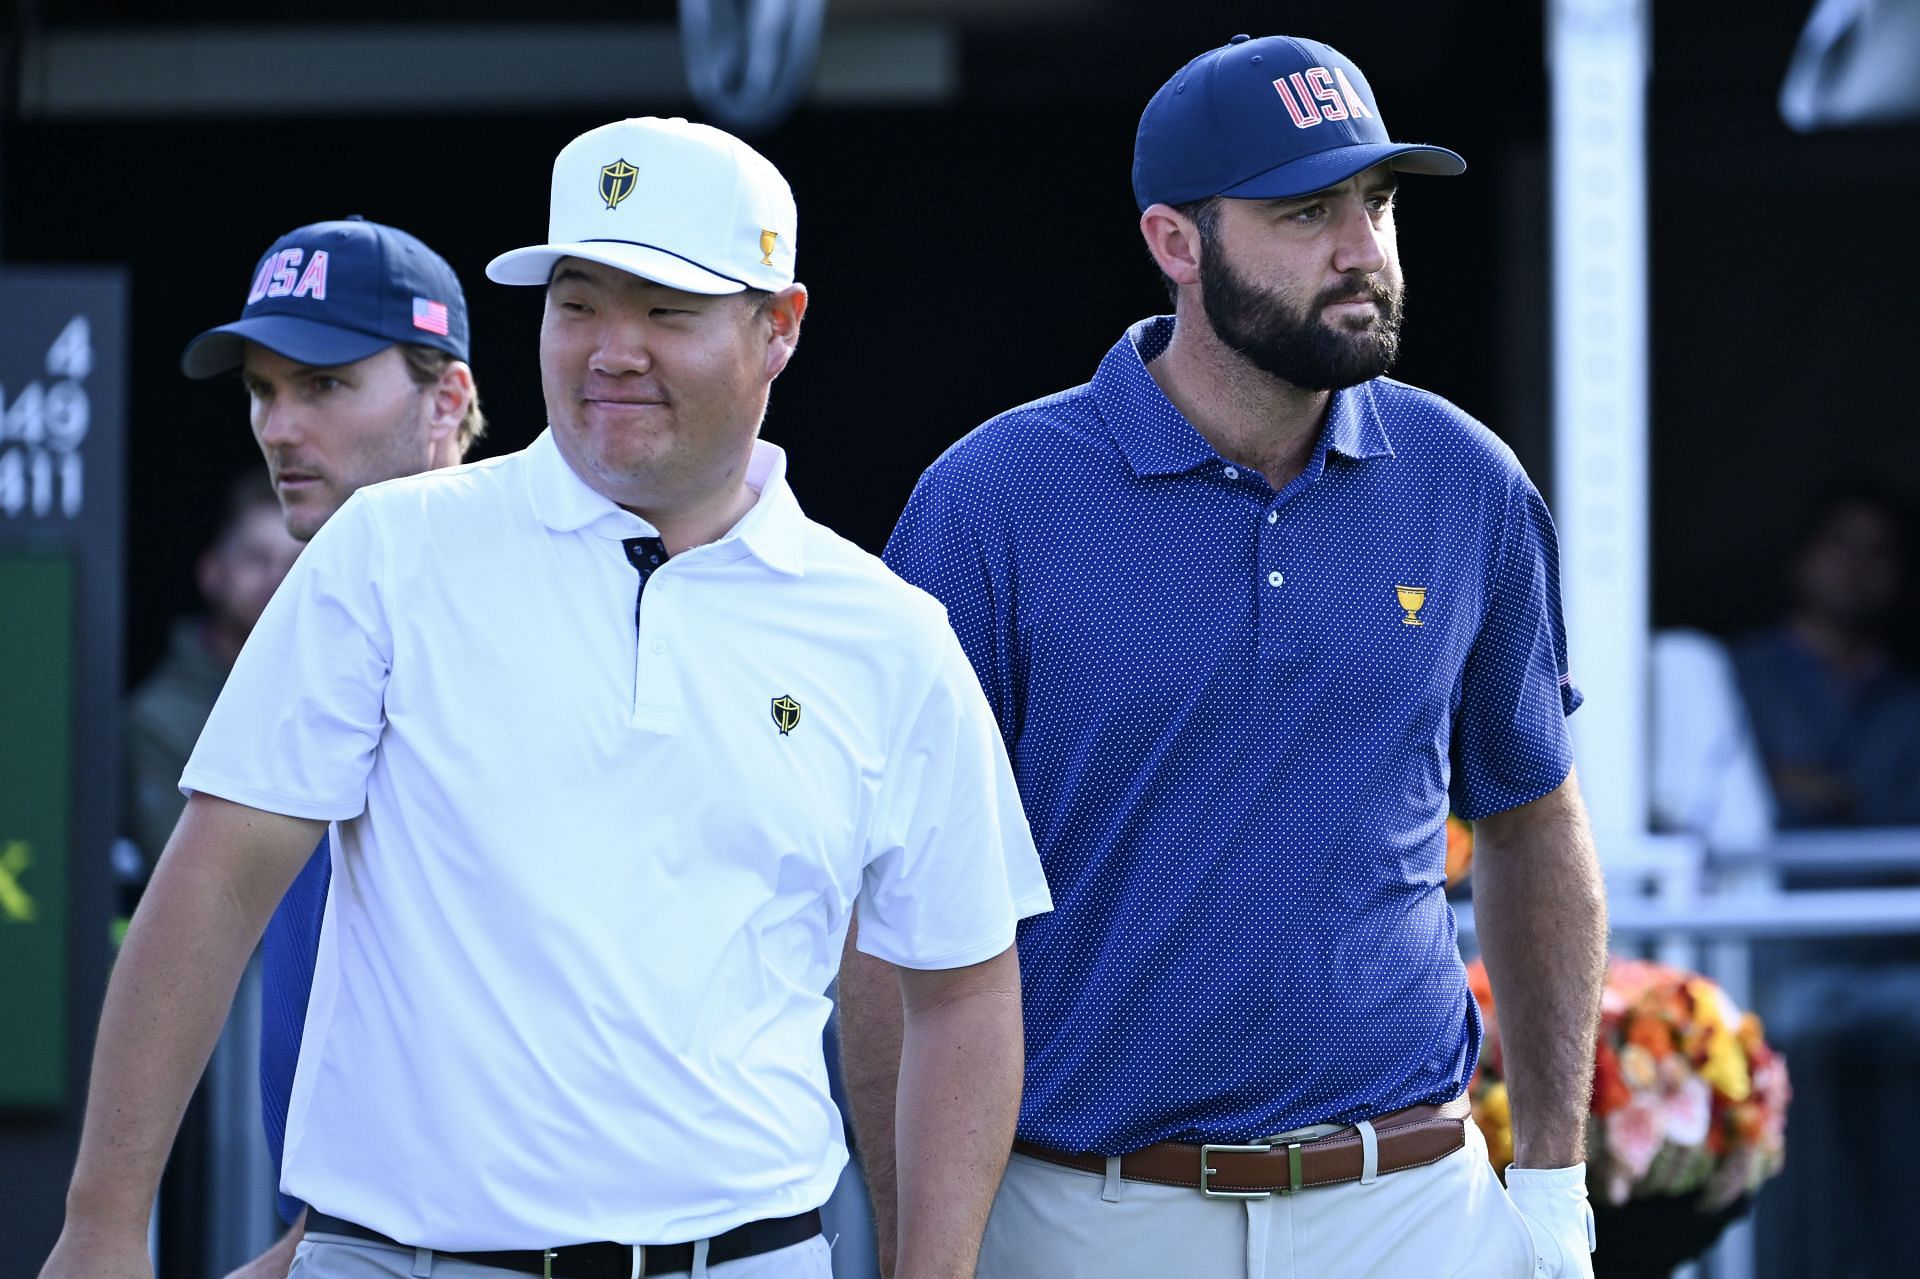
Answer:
(16, 904)
(1412, 599)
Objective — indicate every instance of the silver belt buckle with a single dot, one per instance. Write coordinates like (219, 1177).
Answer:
(1208, 1172)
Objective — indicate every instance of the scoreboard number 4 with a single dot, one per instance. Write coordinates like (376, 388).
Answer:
(42, 426)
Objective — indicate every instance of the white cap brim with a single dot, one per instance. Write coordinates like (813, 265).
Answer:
(534, 265)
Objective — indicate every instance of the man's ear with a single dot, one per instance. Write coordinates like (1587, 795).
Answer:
(1174, 241)
(784, 311)
(451, 396)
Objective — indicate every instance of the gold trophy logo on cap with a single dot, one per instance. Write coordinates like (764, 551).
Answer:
(767, 240)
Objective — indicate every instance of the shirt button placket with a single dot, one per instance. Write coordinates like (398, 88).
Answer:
(1272, 551)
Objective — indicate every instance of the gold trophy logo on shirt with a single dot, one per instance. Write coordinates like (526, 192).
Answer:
(1412, 599)
(786, 714)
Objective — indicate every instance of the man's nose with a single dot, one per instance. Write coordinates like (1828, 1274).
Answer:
(277, 422)
(625, 346)
(1361, 244)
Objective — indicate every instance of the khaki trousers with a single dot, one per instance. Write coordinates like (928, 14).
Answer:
(1448, 1220)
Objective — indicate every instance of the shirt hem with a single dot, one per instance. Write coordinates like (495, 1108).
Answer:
(193, 781)
(975, 953)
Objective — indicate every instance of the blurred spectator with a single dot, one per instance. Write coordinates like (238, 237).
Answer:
(1836, 715)
(1707, 776)
(237, 575)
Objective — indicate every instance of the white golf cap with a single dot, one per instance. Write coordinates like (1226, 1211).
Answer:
(685, 205)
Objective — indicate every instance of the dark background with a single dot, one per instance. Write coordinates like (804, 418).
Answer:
(968, 257)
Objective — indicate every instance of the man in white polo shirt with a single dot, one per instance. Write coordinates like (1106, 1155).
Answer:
(612, 738)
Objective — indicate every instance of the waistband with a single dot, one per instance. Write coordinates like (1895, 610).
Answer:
(1400, 1139)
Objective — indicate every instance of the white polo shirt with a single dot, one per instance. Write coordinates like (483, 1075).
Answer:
(589, 882)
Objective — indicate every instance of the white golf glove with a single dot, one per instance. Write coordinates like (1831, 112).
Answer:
(1554, 1203)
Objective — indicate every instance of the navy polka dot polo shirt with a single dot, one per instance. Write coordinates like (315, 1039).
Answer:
(1238, 718)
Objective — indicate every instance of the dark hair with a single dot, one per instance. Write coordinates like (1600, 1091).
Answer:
(1205, 215)
(426, 364)
(1854, 491)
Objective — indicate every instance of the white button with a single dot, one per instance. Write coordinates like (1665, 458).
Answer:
(659, 646)
(1233, 472)
(1274, 579)
(1273, 517)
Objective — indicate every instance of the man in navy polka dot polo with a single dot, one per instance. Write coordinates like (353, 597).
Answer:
(1254, 617)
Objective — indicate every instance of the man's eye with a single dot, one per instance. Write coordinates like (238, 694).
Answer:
(325, 383)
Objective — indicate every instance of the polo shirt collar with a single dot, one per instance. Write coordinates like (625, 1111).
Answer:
(1156, 437)
(773, 530)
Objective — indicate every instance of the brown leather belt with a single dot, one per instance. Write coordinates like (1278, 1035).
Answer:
(1407, 1139)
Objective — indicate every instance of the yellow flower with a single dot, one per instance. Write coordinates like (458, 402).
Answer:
(1706, 1003)
(1725, 1066)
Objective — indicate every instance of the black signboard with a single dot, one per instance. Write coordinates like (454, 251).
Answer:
(62, 511)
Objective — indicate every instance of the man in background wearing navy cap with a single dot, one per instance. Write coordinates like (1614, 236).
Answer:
(613, 740)
(1253, 617)
(353, 349)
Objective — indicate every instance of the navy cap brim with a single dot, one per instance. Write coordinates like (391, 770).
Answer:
(1325, 169)
(304, 341)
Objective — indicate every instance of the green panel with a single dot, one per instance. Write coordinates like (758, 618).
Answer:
(36, 699)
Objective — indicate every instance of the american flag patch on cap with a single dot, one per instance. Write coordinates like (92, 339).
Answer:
(430, 315)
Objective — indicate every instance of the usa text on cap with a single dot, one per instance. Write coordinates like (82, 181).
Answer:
(1256, 119)
(335, 292)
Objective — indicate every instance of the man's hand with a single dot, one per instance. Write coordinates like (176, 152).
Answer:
(1554, 1203)
(277, 1260)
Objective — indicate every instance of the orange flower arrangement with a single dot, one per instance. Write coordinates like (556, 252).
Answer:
(1688, 1099)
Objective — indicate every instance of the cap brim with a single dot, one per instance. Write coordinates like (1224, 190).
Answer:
(1324, 169)
(535, 265)
(303, 341)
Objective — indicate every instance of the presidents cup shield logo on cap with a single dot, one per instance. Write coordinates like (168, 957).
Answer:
(616, 182)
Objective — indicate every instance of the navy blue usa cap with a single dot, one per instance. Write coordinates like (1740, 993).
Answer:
(335, 292)
(1256, 119)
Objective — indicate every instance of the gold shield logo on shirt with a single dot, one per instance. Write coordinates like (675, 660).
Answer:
(767, 240)
(786, 714)
(1412, 599)
(616, 181)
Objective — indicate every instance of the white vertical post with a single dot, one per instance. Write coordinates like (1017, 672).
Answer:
(1597, 62)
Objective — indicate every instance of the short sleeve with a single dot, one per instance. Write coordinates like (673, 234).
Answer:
(296, 726)
(1510, 743)
(936, 546)
(951, 866)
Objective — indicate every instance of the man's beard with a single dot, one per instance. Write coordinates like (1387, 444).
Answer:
(1273, 334)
